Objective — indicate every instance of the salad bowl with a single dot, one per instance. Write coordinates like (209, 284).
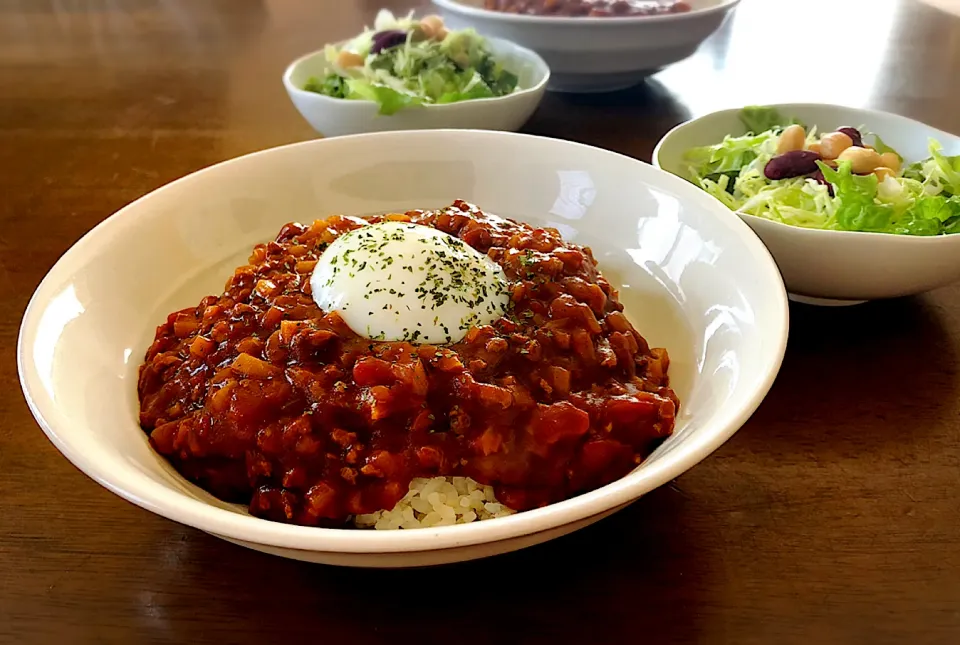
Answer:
(835, 267)
(333, 116)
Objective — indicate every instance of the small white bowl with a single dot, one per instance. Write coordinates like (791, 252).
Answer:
(692, 279)
(333, 117)
(597, 54)
(838, 267)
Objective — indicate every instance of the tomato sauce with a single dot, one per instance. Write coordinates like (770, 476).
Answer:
(260, 397)
(589, 8)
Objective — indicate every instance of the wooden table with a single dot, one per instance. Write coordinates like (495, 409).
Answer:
(833, 516)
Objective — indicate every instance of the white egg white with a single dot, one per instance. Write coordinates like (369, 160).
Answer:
(397, 281)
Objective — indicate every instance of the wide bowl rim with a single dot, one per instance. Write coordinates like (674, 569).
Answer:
(542, 67)
(803, 230)
(583, 21)
(202, 515)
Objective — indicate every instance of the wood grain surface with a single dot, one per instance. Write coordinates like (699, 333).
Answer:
(833, 516)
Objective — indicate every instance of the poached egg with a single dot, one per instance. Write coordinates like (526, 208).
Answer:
(398, 281)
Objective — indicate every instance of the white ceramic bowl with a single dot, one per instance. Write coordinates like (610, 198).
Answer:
(597, 54)
(692, 278)
(838, 267)
(333, 117)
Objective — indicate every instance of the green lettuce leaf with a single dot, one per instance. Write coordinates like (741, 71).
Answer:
(759, 118)
(389, 100)
(464, 47)
(333, 85)
(934, 214)
(948, 167)
(881, 147)
(938, 174)
(478, 91)
(857, 209)
(500, 81)
(727, 157)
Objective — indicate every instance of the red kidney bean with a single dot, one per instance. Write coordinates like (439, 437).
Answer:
(791, 164)
(383, 40)
(854, 135)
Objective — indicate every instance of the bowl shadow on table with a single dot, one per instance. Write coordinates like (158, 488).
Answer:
(629, 121)
(865, 375)
(631, 569)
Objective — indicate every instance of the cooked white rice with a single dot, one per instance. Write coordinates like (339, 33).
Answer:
(439, 501)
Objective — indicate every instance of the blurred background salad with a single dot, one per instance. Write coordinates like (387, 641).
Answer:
(405, 61)
(786, 171)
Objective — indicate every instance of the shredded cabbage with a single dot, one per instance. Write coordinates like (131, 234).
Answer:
(419, 71)
(925, 200)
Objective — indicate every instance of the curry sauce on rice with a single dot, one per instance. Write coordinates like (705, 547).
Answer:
(260, 396)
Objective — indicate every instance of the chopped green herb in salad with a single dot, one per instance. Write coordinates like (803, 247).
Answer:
(403, 62)
(782, 171)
